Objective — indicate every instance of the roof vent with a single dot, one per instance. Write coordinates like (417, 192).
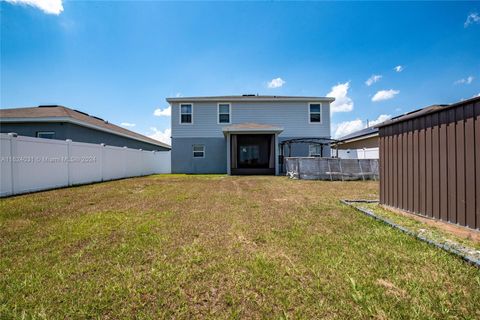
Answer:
(49, 106)
(248, 95)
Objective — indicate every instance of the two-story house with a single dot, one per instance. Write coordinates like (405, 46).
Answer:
(242, 134)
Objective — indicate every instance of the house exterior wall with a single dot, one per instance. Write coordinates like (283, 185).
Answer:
(64, 130)
(215, 160)
(430, 164)
(205, 129)
(372, 142)
(292, 116)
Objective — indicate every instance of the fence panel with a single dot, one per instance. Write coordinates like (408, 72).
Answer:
(86, 163)
(32, 164)
(331, 168)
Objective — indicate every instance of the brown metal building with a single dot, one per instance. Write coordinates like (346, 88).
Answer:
(430, 162)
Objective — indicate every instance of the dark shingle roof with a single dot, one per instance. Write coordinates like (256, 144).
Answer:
(360, 133)
(62, 112)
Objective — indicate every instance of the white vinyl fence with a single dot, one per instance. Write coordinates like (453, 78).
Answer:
(32, 164)
(365, 153)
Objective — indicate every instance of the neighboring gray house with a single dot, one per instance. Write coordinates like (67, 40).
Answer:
(61, 123)
(242, 134)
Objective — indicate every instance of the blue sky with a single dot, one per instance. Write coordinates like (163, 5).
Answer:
(120, 59)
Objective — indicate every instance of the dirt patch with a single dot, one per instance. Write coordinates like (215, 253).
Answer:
(458, 231)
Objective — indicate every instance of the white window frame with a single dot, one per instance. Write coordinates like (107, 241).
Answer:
(229, 113)
(193, 150)
(321, 113)
(45, 132)
(180, 114)
(310, 154)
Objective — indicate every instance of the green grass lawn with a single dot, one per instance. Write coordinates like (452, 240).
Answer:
(188, 247)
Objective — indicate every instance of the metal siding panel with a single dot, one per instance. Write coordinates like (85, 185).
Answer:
(477, 162)
(435, 166)
(390, 169)
(395, 166)
(443, 167)
(469, 166)
(400, 166)
(452, 167)
(382, 166)
(410, 153)
(416, 165)
(405, 166)
(422, 168)
(460, 143)
(428, 166)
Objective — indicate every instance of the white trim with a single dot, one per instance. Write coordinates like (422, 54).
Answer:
(229, 113)
(180, 113)
(193, 150)
(266, 99)
(321, 113)
(83, 124)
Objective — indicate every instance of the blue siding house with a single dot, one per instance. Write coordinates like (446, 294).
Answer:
(243, 134)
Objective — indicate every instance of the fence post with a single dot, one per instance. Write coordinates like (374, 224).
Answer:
(13, 151)
(102, 163)
(69, 146)
(341, 169)
(361, 171)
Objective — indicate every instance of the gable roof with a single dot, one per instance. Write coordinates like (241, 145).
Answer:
(250, 97)
(55, 113)
(370, 131)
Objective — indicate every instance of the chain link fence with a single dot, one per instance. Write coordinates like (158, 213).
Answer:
(333, 169)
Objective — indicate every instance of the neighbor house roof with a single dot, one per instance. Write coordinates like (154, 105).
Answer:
(250, 97)
(56, 113)
(426, 110)
(360, 134)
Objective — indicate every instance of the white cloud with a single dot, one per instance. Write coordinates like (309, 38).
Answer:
(178, 95)
(167, 112)
(163, 136)
(398, 68)
(347, 127)
(342, 103)
(47, 6)
(472, 18)
(381, 118)
(276, 83)
(128, 124)
(385, 95)
(467, 80)
(374, 78)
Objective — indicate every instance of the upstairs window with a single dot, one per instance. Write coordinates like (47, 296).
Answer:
(198, 151)
(315, 113)
(186, 113)
(46, 134)
(224, 113)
